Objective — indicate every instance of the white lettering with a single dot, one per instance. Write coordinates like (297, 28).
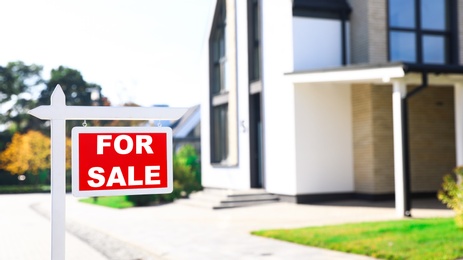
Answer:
(132, 180)
(149, 175)
(116, 177)
(144, 141)
(100, 143)
(95, 173)
(117, 144)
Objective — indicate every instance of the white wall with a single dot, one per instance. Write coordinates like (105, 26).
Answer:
(234, 177)
(317, 43)
(278, 98)
(324, 145)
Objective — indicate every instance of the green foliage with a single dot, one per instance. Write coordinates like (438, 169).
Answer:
(405, 239)
(187, 179)
(18, 81)
(14, 189)
(451, 194)
(117, 202)
(78, 92)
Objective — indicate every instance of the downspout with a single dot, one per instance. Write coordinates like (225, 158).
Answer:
(406, 143)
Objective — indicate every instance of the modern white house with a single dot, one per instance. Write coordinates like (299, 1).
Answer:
(316, 100)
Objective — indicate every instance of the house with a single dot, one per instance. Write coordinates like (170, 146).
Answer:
(187, 130)
(328, 99)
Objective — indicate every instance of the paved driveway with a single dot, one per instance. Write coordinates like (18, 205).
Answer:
(177, 231)
(25, 235)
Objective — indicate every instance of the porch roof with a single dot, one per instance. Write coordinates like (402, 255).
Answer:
(382, 73)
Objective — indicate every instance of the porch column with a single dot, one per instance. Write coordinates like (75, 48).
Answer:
(459, 122)
(398, 95)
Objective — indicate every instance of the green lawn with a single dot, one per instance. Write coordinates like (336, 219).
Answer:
(117, 202)
(437, 238)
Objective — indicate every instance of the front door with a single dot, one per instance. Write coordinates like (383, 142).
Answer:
(255, 128)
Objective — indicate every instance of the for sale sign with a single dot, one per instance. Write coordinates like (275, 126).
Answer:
(121, 161)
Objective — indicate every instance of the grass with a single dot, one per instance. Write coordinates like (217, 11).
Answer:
(437, 238)
(117, 202)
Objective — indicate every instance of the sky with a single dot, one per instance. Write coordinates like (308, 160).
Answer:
(141, 51)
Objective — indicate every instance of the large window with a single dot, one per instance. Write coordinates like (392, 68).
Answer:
(218, 57)
(218, 87)
(220, 134)
(420, 31)
(254, 40)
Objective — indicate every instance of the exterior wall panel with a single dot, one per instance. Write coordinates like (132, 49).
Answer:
(278, 98)
(324, 147)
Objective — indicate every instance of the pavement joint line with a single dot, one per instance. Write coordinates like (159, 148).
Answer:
(109, 246)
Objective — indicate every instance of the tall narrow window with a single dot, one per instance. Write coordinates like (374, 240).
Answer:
(420, 31)
(218, 87)
(254, 40)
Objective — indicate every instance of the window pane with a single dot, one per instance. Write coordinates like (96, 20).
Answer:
(434, 49)
(433, 14)
(220, 134)
(216, 79)
(402, 13)
(402, 46)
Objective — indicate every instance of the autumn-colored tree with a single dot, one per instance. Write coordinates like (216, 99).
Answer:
(27, 153)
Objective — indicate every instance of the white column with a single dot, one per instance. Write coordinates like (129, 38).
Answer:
(399, 92)
(459, 122)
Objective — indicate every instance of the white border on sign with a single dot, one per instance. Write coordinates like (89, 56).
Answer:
(75, 161)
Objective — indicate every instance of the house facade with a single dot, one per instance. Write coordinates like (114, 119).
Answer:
(315, 100)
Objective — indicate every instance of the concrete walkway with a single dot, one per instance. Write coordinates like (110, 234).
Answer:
(177, 231)
(25, 235)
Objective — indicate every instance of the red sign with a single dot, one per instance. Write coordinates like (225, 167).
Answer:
(121, 161)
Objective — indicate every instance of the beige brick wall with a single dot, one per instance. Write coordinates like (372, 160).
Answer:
(377, 31)
(432, 138)
(368, 31)
(363, 139)
(383, 139)
(359, 31)
(373, 149)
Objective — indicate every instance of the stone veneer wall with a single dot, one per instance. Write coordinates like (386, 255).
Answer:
(432, 138)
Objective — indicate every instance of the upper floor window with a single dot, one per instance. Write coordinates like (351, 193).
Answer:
(254, 40)
(217, 52)
(218, 87)
(420, 31)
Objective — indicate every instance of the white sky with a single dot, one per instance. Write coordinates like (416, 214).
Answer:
(143, 51)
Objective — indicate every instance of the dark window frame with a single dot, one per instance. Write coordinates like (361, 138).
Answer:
(450, 34)
(218, 94)
(334, 9)
(254, 41)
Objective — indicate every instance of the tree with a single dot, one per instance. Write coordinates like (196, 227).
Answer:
(18, 82)
(28, 152)
(77, 91)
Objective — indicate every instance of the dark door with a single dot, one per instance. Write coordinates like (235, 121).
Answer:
(255, 128)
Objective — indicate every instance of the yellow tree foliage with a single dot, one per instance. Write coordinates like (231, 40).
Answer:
(29, 152)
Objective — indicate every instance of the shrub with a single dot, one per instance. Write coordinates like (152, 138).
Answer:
(451, 194)
(187, 179)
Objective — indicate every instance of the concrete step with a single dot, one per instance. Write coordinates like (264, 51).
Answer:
(222, 199)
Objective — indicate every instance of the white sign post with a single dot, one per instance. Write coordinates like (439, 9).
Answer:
(57, 112)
